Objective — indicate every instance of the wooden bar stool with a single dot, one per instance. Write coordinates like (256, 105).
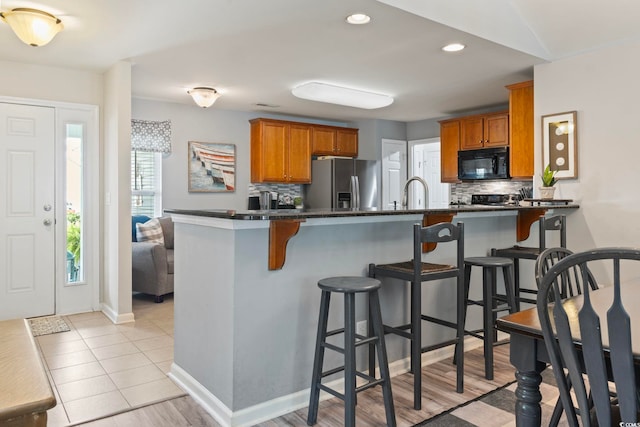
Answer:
(491, 302)
(349, 287)
(516, 252)
(416, 272)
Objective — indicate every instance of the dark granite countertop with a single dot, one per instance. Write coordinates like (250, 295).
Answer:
(335, 213)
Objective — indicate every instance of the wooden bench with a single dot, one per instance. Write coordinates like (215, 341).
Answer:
(25, 392)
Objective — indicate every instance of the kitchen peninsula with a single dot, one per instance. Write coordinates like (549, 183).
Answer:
(245, 332)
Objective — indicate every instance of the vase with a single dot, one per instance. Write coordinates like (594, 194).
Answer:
(546, 193)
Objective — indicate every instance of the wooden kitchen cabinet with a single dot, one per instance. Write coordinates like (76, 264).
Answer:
(521, 130)
(280, 151)
(484, 131)
(334, 141)
(347, 142)
(449, 146)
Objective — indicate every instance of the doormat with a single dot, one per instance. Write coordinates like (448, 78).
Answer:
(47, 325)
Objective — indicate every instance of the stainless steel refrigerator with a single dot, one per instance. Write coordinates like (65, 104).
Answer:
(343, 184)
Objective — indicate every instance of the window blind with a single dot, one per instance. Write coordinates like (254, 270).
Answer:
(152, 136)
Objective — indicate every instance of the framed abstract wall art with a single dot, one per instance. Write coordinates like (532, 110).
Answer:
(560, 144)
(212, 167)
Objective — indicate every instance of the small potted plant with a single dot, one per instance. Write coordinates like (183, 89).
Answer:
(548, 182)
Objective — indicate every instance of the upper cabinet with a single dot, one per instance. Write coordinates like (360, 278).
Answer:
(334, 141)
(513, 129)
(521, 129)
(484, 131)
(449, 146)
(280, 151)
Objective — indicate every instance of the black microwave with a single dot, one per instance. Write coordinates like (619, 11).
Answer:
(486, 163)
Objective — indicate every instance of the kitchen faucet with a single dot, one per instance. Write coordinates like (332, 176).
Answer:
(405, 192)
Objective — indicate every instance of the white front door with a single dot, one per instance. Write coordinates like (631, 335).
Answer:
(394, 172)
(27, 196)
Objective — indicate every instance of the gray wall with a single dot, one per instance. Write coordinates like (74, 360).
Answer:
(192, 123)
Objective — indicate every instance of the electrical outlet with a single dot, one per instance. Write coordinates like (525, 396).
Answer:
(361, 328)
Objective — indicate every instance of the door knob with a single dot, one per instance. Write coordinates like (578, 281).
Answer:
(47, 208)
(47, 222)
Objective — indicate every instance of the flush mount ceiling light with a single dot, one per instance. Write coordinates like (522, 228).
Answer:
(358, 19)
(453, 47)
(204, 96)
(322, 92)
(32, 26)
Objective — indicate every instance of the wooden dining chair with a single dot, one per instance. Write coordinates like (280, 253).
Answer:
(570, 285)
(570, 281)
(415, 272)
(597, 356)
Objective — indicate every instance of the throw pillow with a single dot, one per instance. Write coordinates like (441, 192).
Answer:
(137, 219)
(150, 231)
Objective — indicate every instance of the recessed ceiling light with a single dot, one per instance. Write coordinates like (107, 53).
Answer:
(453, 47)
(358, 19)
(331, 94)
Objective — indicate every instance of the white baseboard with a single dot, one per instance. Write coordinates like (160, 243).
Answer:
(249, 416)
(292, 402)
(221, 413)
(115, 317)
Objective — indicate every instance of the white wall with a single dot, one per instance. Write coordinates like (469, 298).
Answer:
(50, 83)
(601, 87)
(116, 289)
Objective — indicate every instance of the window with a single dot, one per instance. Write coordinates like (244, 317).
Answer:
(148, 140)
(146, 183)
(74, 184)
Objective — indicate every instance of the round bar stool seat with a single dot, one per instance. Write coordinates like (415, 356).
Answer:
(489, 261)
(490, 300)
(349, 286)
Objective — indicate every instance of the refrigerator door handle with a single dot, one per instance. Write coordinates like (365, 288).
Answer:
(354, 195)
(357, 191)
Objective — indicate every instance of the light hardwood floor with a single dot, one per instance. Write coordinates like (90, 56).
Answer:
(439, 395)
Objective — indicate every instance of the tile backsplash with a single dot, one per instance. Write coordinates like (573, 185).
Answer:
(286, 192)
(462, 192)
(459, 192)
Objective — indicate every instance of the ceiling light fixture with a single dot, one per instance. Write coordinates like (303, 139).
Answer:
(453, 47)
(358, 19)
(322, 92)
(32, 26)
(204, 96)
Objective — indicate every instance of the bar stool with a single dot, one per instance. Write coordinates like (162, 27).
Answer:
(489, 301)
(416, 271)
(350, 286)
(516, 252)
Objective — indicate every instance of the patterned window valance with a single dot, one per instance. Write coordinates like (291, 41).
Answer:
(147, 135)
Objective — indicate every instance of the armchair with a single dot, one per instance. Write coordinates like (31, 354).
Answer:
(152, 263)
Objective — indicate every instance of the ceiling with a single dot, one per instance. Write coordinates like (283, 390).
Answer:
(255, 51)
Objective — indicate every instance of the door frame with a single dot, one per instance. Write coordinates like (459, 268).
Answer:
(410, 150)
(383, 191)
(84, 296)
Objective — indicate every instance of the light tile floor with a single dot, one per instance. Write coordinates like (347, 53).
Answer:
(99, 368)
